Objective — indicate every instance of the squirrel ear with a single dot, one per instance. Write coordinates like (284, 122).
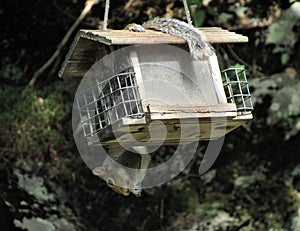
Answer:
(100, 171)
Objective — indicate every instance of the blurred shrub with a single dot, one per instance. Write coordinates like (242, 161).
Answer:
(37, 125)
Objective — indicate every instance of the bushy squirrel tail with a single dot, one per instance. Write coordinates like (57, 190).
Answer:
(199, 47)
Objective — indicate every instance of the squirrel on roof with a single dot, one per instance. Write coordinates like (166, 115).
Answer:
(199, 47)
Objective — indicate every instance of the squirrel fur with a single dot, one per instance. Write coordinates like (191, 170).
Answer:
(116, 167)
(199, 47)
(123, 170)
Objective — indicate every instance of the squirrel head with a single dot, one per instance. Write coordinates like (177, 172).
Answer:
(119, 180)
(135, 27)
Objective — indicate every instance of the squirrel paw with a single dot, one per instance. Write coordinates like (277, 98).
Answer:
(135, 27)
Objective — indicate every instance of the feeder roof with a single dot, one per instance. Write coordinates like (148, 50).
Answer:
(82, 53)
(126, 37)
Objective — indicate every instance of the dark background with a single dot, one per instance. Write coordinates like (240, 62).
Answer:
(255, 183)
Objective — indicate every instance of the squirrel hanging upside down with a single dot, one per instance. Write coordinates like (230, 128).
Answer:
(123, 170)
(199, 47)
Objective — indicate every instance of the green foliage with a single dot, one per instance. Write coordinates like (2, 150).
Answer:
(284, 109)
(225, 17)
(181, 198)
(34, 125)
(237, 65)
(246, 181)
(250, 188)
(281, 33)
(197, 11)
(237, 199)
(11, 72)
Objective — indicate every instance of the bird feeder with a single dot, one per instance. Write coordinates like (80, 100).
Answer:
(157, 88)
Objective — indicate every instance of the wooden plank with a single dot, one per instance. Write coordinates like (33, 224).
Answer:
(124, 37)
(212, 124)
(178, 131)
(76, 69)
(217, 78)
(80, 58)
(195, 108)
(82, 55)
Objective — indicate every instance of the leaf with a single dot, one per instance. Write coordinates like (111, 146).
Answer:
(279, 49)
(285, 57)
(276, 35)
(199, 16)
(281, 32)
(224, 17)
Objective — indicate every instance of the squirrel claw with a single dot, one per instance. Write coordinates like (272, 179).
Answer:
(135, 27)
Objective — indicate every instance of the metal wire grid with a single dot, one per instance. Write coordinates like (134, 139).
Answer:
(237, 89)
(108, 102)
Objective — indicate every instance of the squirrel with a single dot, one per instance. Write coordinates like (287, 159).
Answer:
(199, 47)
(124, 170)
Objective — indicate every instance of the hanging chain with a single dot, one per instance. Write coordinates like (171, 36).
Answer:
(107, 2)
(187, 12)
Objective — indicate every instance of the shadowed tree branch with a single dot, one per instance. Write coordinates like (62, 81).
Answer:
(88, 6)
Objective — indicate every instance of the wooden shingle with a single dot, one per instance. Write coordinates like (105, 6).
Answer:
(90, 45)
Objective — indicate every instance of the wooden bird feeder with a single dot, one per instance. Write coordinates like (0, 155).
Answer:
(157, 87)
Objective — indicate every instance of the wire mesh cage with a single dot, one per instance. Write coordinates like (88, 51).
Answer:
(109, 101)
(237, 89)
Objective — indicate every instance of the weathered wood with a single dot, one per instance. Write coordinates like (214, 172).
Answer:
(181, 126)
(124, 37)
(90, 45)
(77, 69)
(177, 131)
(195, 108)
(217, 78)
